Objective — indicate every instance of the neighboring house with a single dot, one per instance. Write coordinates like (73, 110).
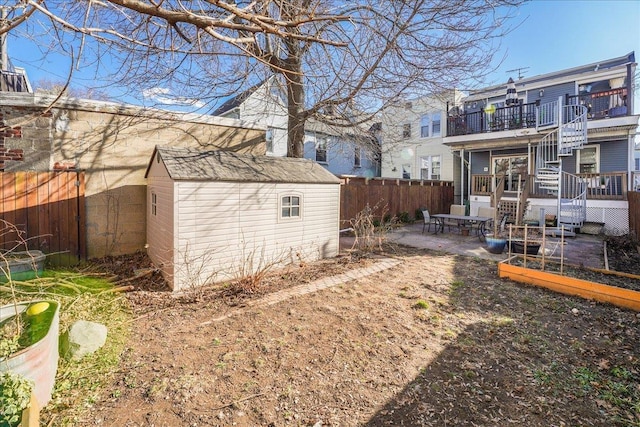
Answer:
(215, 215)
(112, 143)
(14, 80)
(411, 139)
(564, 141)
(343, 150)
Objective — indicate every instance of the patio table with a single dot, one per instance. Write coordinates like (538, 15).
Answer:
(480, 221)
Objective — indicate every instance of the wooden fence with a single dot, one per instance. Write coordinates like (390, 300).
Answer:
(634, 212)
(392, 196)
(48, 210)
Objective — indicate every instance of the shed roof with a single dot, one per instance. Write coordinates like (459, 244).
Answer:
(214, 165)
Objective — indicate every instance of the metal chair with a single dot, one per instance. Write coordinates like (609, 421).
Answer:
(427, 220)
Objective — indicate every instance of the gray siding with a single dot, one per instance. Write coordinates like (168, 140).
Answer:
(613, 156)
(551, 93)
(479, 161)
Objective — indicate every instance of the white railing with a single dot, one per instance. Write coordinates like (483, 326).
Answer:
(573, 200)
(547, 114)
(547, 150)
(573, 132)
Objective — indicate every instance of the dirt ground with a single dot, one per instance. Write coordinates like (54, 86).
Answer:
(436, 340)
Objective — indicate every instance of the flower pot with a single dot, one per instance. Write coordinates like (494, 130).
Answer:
(38, 361)
(518, 247)
(495, 245)
(21, 265)
(464, 231)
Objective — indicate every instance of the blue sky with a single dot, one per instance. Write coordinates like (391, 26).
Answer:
(555, 35)
(548, 36)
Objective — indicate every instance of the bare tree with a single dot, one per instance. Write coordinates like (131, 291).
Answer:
(342, 61)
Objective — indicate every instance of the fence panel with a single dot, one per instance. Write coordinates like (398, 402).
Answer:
(392, 196)
(634, 212)
(47, 209)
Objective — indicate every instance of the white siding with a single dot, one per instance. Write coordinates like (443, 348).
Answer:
(160, 227)
(225, 228)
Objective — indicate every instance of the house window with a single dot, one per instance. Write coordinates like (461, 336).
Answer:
(290, 207)
(430, 168)
(588, 160)
(154, 204)
(269, 140)
(435, 124)
(430, 125)
(406, 130)
(514, 169)
(321, 151)
(357, 159)
(424, 126)
(406, 171)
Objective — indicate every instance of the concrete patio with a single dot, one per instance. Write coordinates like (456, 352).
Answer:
(584, 249)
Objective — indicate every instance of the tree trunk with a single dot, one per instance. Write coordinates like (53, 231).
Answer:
(295, 109)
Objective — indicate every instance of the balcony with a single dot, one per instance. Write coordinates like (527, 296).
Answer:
(602, 186)
(600, 105)
(604, 104)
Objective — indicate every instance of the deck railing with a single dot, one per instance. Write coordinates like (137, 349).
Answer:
(599, 186)
(600, 105)
(503, 118)
(604, 104)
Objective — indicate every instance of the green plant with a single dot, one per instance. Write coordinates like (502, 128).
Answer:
(421, 304)
(15, 393)
(404, 217)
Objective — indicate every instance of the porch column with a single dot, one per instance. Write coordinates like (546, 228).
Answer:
(462, 176)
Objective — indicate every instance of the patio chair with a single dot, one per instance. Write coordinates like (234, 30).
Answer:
(428, 220)
(455, 210)
(485, 212)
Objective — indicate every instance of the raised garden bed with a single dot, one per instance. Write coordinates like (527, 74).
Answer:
(621, 289)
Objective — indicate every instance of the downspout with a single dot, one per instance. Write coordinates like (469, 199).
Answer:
(462, 176)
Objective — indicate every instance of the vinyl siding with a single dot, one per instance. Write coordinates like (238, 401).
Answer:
(160, 227)
(225, 228)
(614, 156)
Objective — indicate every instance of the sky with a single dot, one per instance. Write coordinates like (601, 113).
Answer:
(547, 36)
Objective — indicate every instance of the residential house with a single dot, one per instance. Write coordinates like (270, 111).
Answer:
(412, 133)
(341, 149)
(561, 144)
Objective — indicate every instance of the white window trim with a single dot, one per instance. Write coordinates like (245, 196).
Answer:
(430, 119)
(429, 162)
(281, 196)
(579, 153)
(319, 142)
(357, 157)
(154, 203)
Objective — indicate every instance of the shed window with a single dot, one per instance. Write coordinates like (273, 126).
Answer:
(291, 207)
(154, 204)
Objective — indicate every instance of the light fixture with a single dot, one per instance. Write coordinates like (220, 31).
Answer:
(541, 92)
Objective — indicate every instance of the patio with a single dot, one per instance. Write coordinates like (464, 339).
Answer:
(584, 249)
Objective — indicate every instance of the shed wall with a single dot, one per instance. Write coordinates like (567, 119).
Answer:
(225, 230)
(161, 225)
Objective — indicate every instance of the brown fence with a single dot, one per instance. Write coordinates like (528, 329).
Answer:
(48, 210)
(634, 212)
(392, 196)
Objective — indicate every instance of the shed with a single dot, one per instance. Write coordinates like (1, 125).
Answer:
(218, 215)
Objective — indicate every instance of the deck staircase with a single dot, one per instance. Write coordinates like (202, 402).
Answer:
(561, 142)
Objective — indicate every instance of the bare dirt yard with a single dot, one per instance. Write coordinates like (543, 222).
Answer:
(436, 340)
